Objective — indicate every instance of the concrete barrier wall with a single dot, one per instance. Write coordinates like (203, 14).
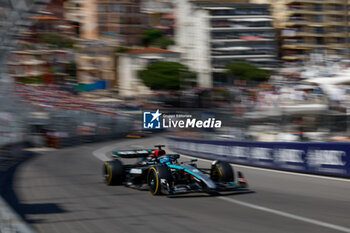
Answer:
(10, 156)
(316, 158)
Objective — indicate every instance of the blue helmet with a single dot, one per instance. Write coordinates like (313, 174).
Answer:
(164, 160)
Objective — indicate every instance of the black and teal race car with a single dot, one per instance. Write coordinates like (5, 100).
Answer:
(162, 173)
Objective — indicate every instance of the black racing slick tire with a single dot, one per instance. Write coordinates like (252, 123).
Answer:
(222, 172)
(155, 176)
(113, 172)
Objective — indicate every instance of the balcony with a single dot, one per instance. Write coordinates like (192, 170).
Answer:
(337, 46)
(236, 16)
(295, 57)
(240, 28)
(312, 34)
(302, 46)
(315, 1)
(297, 22)
(28, 62)
(245, 56)
(312, 23)
(312, 11)
(260, 39)
(308, 46)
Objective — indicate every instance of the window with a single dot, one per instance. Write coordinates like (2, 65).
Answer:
(340, 29)
(341, 40)
(319, 18)
(318, 7)
(319, 40)
(116, 7)
(338, 7)
(319, 30)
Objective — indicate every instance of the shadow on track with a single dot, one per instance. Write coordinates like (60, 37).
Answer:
(9, 195)
(211, 194)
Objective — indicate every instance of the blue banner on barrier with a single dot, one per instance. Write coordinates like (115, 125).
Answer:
(318, 158)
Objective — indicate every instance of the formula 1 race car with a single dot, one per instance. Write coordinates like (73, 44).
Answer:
(161, 173)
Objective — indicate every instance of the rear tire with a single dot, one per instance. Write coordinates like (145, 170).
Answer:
(113, 172)
(155, 176)
(222, 172)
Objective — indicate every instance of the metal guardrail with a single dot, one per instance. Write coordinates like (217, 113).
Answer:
(14, 15)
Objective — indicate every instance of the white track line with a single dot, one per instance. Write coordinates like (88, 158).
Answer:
(101, 154)
(287, 215)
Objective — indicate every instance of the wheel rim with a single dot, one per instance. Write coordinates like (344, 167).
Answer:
(217, 174)
(152, 181)
(106, 173)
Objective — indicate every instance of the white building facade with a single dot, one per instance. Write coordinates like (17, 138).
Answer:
(131, 62)
(210, 35)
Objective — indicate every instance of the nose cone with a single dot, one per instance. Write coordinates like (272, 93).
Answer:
(210, 184)
(203, 177)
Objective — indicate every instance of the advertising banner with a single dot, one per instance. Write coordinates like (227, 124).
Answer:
(314, 157)
(99, 85)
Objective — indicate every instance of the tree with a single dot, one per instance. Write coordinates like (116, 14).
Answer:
(163, 42)
(72, 70)
(164, 75)
(155, 37)
(151, 35)
(121, 49)
(246, 71)
(56, 40)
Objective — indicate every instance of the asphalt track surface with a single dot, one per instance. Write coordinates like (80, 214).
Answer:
(62, 191)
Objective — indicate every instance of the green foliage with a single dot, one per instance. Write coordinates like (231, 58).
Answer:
(258, 75)
(121, 49)
(28, 46)
(31, 80)
(155, 37)
(246, 71)
(72, 69)
(164, 75)
(56, 40)
(151, 35)
(163, 42)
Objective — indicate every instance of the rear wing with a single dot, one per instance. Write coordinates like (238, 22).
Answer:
(132, 153)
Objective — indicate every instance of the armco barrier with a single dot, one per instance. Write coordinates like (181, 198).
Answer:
(314, 157)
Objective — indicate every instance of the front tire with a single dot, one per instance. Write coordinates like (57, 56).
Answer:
(222, 172)
(155, 176)
(113, 172)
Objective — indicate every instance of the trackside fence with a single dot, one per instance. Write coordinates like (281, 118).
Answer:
(331, 159)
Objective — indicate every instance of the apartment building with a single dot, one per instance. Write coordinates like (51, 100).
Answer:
(49, 20)
(160, 15)
(82, 14)
(40, 65)
(120, 21)
(211, 34)
(314, 26)
(96, 62)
